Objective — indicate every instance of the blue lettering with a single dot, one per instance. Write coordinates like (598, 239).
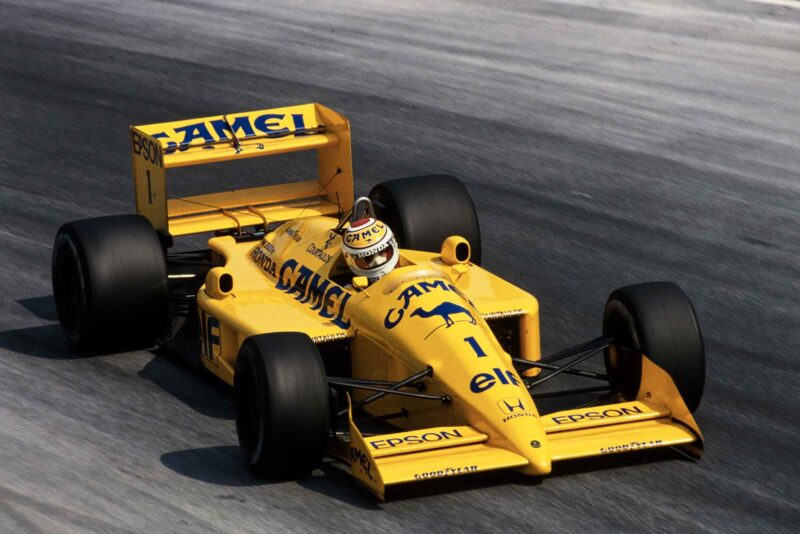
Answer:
(499, 373)
(301, 283)
(316, 291)
(262, 124)
(334, 290)
(481, 382)
(172, 146)
(192, 132)
(511, 376)
(299, 124)
(283, 283)
(339, 321)
(410, 291)
(428, 286)
(243, 124)
(389, 323)
(238, 124)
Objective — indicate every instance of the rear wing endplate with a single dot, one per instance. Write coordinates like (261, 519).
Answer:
(155, 148)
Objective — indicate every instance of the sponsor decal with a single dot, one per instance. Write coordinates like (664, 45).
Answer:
(513, 407)
(632, 446)
(446, 472)
(330, 239)
(412, 439)
(395, 315)
(325, 297)
(595, 415)
(486, 381)
(329, 337)
(147, 149)
(320, 293)
(206, 133)
(508, 418)
(502, 314)
(444, 310)
(294, 234)
(359, 458)
(368, 235)
(261, 257)
(211, 330)
(318, 252)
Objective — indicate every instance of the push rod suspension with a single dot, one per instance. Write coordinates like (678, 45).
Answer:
(392, 391)
(564, 368)
(428, 371)
(597, 343)
(354, 382)
(549, 367)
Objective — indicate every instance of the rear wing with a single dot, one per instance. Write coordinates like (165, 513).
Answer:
(155, 148)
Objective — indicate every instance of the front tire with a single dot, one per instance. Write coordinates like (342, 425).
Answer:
(655, 319)
(281, 399)
(110, 281)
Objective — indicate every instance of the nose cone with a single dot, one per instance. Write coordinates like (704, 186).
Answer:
(529, 440)
(539, 463)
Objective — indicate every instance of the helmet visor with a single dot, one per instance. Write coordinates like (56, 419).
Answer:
(373, 261)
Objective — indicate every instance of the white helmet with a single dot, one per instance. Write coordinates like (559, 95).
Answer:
(370, 248)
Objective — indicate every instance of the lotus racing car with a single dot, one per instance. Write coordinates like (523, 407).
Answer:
(432, 371)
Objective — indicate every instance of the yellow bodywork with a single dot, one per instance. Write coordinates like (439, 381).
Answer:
(431, 311)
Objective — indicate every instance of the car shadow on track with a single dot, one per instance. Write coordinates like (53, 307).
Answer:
(223, 465)
(48, 340)
(332, 480)
(41, 307)
(195, 388)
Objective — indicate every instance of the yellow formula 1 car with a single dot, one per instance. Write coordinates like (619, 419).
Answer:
(431, 371)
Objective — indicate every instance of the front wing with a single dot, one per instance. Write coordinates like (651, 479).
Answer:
(657, 418)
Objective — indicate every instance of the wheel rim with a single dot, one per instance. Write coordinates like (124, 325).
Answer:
(251, 412)
(623, 358)
(69, 289)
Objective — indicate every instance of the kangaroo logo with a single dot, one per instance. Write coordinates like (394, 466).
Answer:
(444, 310)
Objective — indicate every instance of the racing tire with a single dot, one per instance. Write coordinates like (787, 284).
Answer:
(110, 282)
(423, 211)
(655, 319)
(281, 401)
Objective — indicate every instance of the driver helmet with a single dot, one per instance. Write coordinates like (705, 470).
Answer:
(370, 248)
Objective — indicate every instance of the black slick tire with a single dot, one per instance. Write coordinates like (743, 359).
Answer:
(110, 281)
(658, 320)
(282, 404)
(423, 211)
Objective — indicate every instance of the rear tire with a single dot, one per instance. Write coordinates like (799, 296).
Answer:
(110, 281)
(423, 211)
(281, 398)
(655, 319)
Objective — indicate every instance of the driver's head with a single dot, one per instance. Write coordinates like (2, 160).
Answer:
(370, 248)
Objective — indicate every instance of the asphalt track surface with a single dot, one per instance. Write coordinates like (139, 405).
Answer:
(604, 142)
